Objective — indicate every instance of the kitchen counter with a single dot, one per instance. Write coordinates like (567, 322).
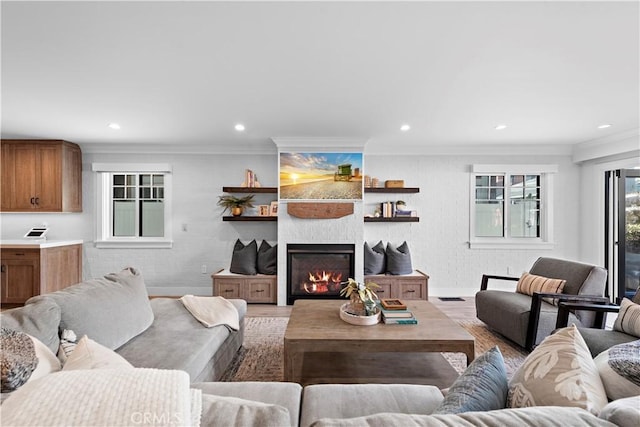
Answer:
(36, 243)
(34, 267)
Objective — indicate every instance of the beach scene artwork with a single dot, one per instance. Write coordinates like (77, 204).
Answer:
(320, 176)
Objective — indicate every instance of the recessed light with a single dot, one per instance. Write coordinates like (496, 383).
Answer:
(405, 128)
(114, 126)
(500, 127)
(604, 126)
(239, 127)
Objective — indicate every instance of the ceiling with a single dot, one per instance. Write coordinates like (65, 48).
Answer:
(183, 74)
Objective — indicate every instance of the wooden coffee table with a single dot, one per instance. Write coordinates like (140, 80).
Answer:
(316, 328)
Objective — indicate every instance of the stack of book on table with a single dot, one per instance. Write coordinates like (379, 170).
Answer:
(394, 312)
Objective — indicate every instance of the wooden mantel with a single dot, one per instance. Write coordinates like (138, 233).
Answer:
(324, 210)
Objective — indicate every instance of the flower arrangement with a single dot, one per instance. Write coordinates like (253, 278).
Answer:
(362, 295)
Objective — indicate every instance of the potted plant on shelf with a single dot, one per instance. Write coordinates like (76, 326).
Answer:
(234, 204)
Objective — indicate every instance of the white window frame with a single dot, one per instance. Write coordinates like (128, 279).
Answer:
(546, 239)
(104, 237)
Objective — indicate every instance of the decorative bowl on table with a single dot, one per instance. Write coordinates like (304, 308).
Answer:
(356, 319)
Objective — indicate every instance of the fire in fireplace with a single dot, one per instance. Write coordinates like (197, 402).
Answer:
(318, 270)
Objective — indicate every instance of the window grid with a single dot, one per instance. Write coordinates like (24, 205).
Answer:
(141, 197)
(521, 213)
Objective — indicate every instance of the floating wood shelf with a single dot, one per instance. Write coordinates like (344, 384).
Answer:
(394, 219)
(249, 218)
(391, 190)
(250, 189)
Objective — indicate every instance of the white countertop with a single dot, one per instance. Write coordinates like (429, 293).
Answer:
(36, 243)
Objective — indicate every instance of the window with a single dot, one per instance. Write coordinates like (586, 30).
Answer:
(511, 206)
(134, 205)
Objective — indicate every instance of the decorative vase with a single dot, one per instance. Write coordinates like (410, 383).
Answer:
(357, 305)
(236, 211)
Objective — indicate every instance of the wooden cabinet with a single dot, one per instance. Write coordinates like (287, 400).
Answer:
(260, 288)
(408, 286)
(41, 176)
(29, 272)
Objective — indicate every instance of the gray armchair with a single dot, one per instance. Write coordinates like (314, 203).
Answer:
(527, 320)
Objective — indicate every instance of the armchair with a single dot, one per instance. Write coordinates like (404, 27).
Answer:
(527, 320)
(598, 340)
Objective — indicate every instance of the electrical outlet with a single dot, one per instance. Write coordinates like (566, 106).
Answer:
(203, 268)
(509, 270)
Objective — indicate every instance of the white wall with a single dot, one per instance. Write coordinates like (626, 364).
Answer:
(197, 182)
(438, 242)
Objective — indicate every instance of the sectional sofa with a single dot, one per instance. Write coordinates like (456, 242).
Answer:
(116, 312)
(175, 362)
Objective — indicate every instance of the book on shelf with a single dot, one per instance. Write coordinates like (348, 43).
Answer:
(403, 213)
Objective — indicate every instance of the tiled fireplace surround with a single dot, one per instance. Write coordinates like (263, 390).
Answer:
(348, 229)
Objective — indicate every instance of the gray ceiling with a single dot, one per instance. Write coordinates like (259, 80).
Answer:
(184, 73)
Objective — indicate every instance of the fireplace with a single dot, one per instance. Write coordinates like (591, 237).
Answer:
(318, 270)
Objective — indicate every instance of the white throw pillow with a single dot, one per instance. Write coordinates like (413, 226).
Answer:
(47, 361)
(88, 354)
(559, 372)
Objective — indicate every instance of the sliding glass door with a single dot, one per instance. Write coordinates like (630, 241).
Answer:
(622, 232)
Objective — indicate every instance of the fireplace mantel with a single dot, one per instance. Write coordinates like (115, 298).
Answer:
(311, 210)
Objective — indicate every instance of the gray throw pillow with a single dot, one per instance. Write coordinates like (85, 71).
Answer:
(18, 359)
(267, 258)
(374, 259)
(39, 318)
(483, 386)
(398, 259)
(244, 258)
(111, 310)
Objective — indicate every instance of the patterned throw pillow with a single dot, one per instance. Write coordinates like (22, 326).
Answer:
(374, 259)
(530, 283)
(619, 369)
(481, 387)
(18, 359)
(628, 320)
(559, 372)
(244, 258)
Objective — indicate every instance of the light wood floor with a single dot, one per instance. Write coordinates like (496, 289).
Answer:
(455, 310)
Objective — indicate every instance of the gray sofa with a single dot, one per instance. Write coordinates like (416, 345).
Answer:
(598, 340)
(115, 311)
(356, 405)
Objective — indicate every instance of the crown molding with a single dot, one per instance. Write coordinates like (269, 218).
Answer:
(472, 150)
(256, 147)
(316, 143)
(621, 143)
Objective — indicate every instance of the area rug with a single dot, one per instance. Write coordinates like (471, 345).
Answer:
(260, 358)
